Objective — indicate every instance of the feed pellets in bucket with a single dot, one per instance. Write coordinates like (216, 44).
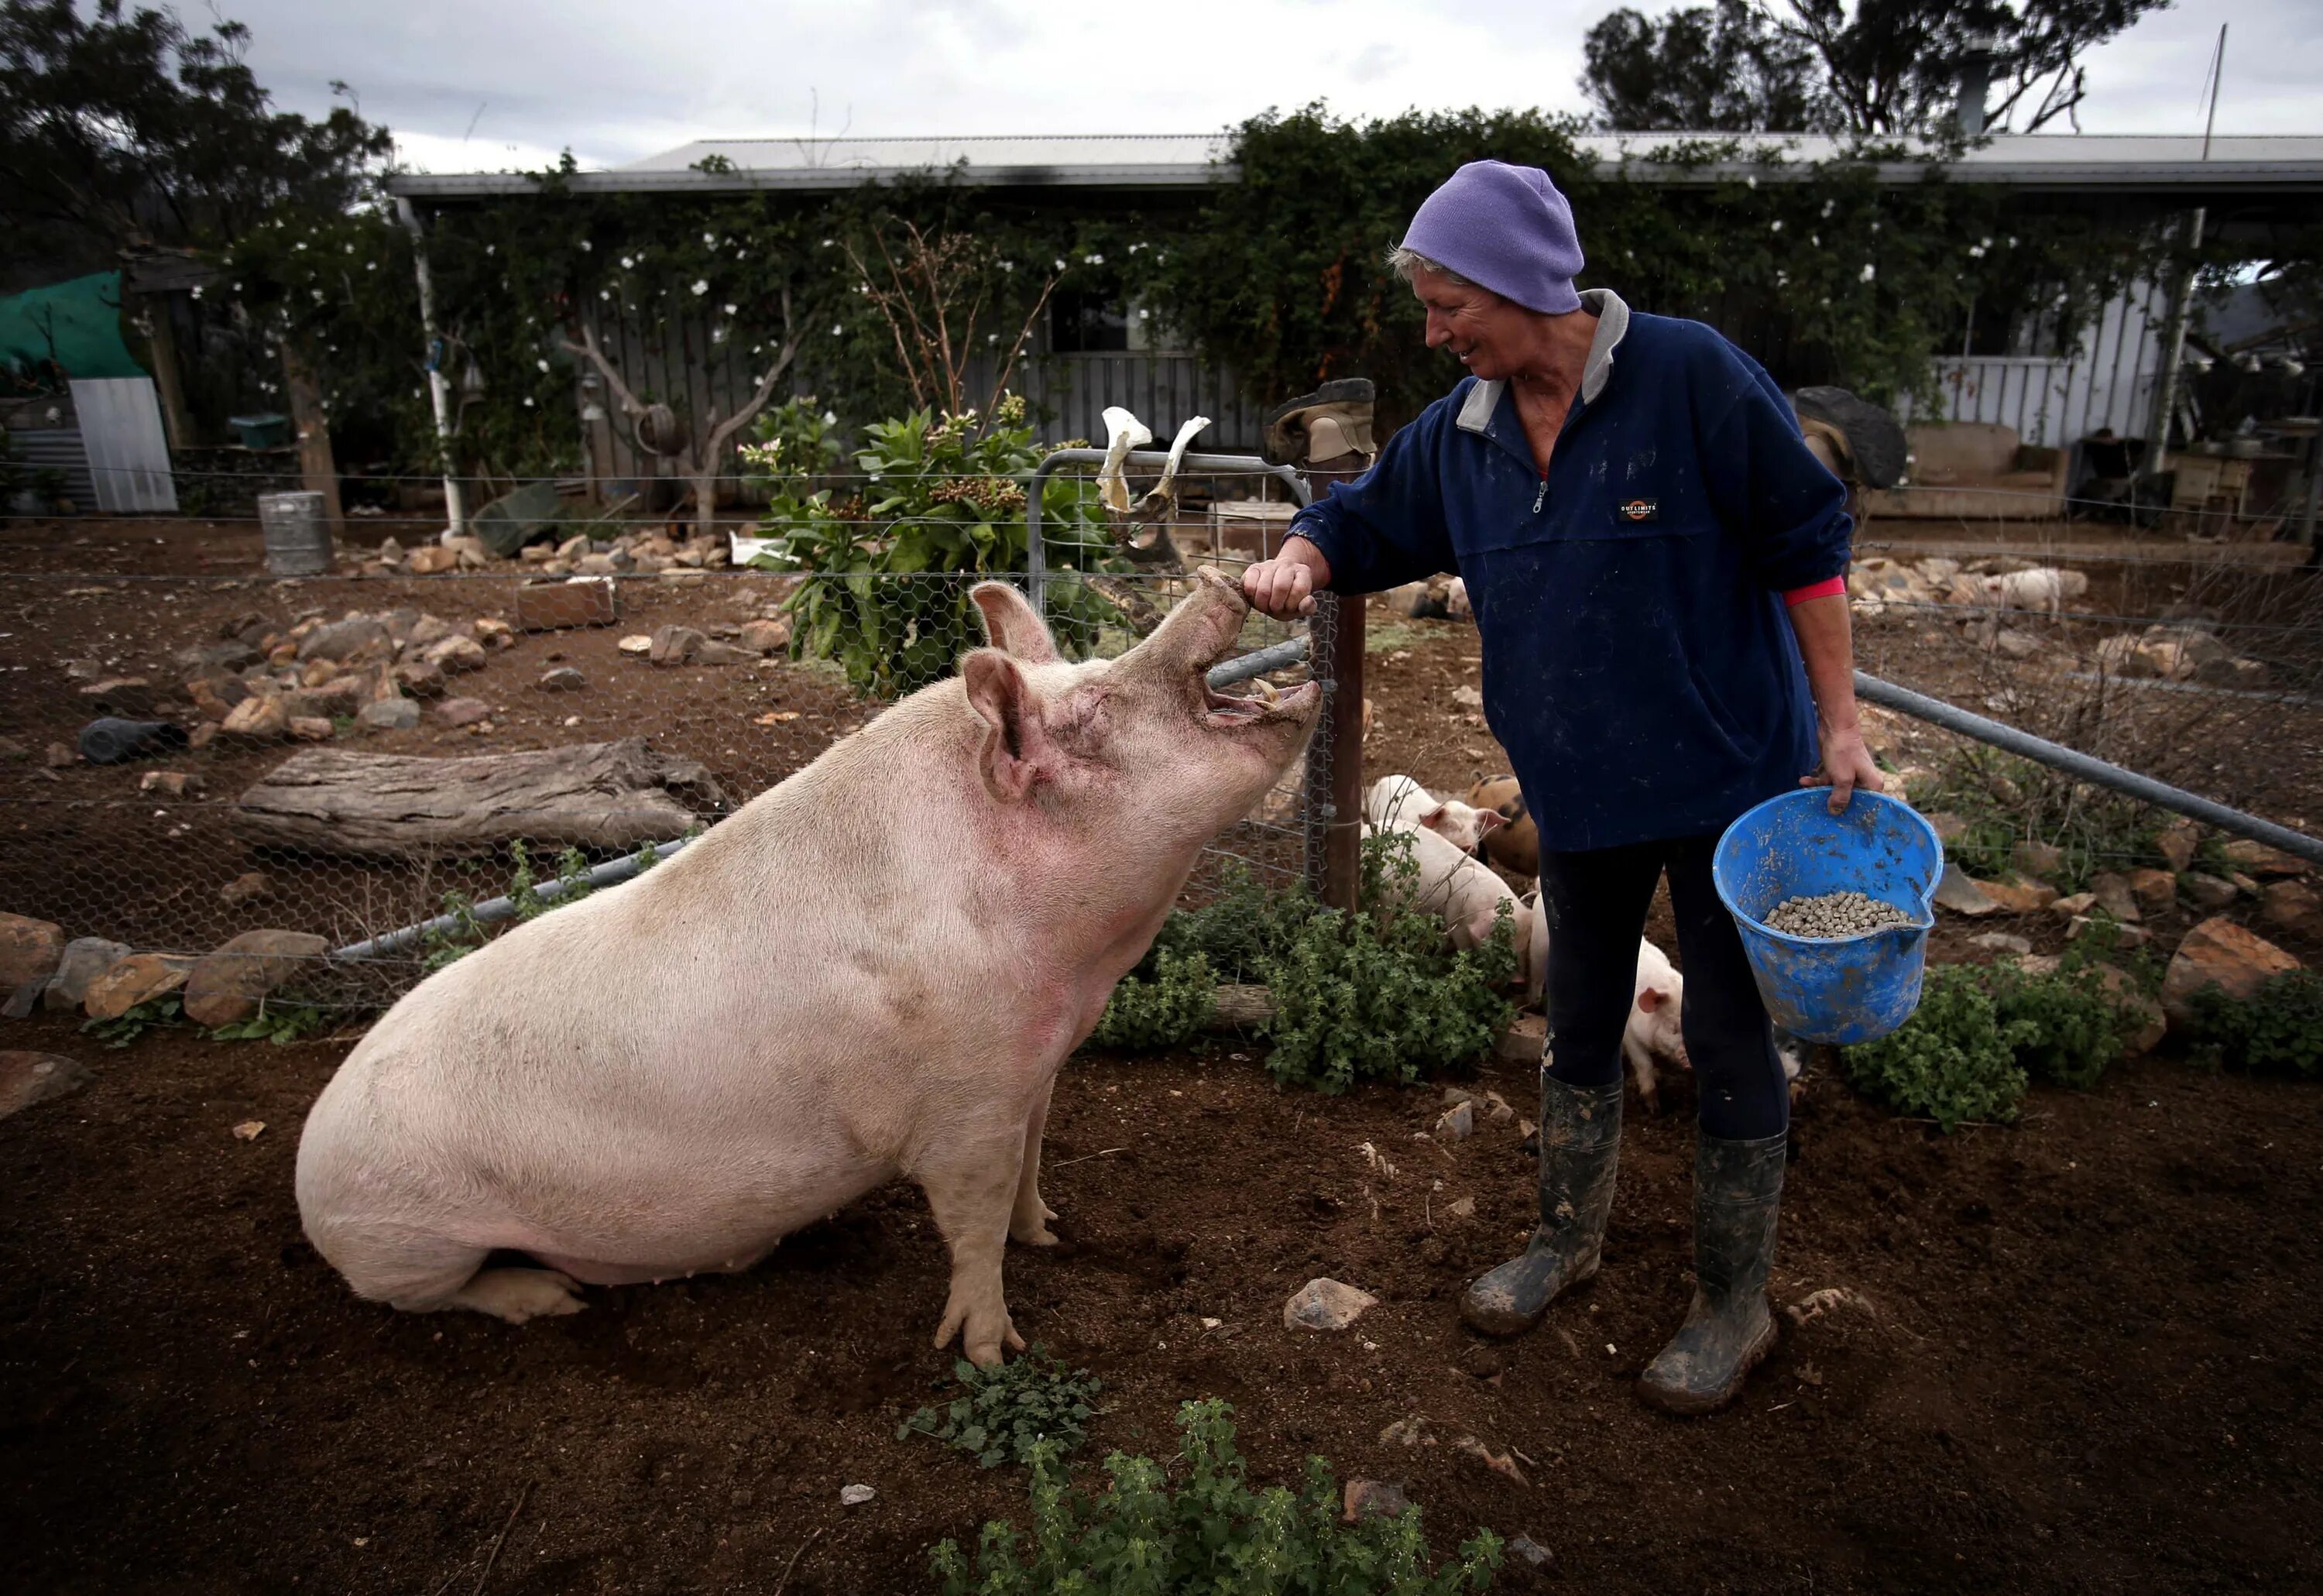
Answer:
(1834, 910)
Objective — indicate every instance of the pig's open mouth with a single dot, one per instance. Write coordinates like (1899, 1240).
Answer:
(1263, 706)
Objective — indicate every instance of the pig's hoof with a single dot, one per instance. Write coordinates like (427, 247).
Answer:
(1034, 1233)
(517, 1295)
(980, 1339)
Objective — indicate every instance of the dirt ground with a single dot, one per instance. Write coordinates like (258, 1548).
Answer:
(2076, 1355)
(2078, 1359)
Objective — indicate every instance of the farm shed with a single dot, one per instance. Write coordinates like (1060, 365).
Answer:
(2050, 384)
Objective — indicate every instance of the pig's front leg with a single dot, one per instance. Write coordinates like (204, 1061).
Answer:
(1030, 1222)
(971, 1179)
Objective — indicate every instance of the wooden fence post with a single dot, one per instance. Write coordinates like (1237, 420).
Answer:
(319, 473)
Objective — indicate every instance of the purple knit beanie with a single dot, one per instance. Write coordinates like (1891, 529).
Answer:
(1505, 228)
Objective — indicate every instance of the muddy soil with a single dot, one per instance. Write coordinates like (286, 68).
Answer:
(2075, 1355)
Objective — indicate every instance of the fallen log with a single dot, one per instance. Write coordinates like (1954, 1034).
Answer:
(613, 794)
(1236, 1008)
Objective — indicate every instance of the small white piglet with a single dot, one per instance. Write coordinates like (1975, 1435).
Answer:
(1462, 892)
(1398, 803)
(2044, 587)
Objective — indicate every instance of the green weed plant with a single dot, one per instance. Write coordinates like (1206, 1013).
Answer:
(1197, 1528)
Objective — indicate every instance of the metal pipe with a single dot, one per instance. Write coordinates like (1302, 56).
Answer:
(439, 392)
(2087, 767)
(491, 911)
(1036, 563)
(1259, 661)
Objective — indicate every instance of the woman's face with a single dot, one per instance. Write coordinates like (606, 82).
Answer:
(1490, 334)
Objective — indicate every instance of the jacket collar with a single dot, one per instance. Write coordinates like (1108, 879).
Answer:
(1613, 325)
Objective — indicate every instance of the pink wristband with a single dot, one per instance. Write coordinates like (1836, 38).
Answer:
(1816, 590)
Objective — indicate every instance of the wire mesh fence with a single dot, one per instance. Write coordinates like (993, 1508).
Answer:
(343, 758)
(603, 698)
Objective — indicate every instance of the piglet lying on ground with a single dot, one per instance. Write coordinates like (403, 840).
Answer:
(872, 970)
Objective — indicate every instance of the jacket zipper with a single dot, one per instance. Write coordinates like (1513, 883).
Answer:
(1541, 498)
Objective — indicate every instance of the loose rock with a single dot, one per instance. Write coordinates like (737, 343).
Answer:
(564, 679)
(84, 959)
(312, 729)
(2210, 894)
(2219, 952)
(2256, 858)
(139, 979)
(764, 636)
(1325, 1304)
(2000, 942)
(2292, 906)
(1457, 1123)
(1531, 1551)
(389, 714)
(359, 637)
(636, 643)
(676, 645)
(2177, 843)
(30, 952)
(1371, 1499)
(2154, 890)
(2019, 897)
(1835, 915)
(462, 711)
(228, 985)
(1957, 892)
(855, 1496)
(249, 887)
(27, 1078)
(455, 654)
(2114, 897)
(258, 720)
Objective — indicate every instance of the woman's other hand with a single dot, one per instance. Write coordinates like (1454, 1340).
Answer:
(1847, 764)
(1285, 586)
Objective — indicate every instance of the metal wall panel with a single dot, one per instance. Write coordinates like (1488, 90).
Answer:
(128, 452)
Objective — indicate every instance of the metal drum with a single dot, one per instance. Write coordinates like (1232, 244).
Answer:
(297, 535)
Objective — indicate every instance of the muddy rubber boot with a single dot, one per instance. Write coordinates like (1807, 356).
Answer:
(1737, 1193)
(1580, 1144)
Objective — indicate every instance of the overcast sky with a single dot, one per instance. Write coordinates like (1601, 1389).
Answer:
(484, 85)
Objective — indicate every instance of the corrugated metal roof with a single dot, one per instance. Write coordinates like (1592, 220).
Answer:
(2054, 163)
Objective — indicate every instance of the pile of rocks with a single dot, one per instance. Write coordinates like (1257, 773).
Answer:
(649, 553)
(265, 683)
(2256, 877)
(103, 980)
(2184, 651)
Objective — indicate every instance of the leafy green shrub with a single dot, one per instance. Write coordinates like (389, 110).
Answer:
(2277, 1030)
(1981, 1032)
(1951, 1062)
(1163, 1012)
(281, 1023)
(945, 494)
(1029, 1402)
(1211, 1533)
(1378, 994)
(129, 1025)
(2069, 1027)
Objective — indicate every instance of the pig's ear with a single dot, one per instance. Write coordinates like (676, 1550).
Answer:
(1015, 744)
(1650, 999)
(1432, 819)
(1489, 820)
(1011, 624)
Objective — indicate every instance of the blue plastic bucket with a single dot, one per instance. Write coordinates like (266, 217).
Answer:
(1841, 989)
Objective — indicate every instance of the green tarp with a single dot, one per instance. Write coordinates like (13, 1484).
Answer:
(76, 323)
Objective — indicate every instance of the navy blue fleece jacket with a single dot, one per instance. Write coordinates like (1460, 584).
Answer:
(1639, 667)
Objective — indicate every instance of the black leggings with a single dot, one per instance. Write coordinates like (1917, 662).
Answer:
(1597, 904)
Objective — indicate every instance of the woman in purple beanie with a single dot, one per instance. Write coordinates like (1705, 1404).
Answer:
(1657, 567)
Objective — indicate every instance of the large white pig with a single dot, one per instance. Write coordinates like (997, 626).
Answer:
(872, 970)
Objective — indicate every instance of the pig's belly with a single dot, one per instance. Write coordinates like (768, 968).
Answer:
(667, 1221)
